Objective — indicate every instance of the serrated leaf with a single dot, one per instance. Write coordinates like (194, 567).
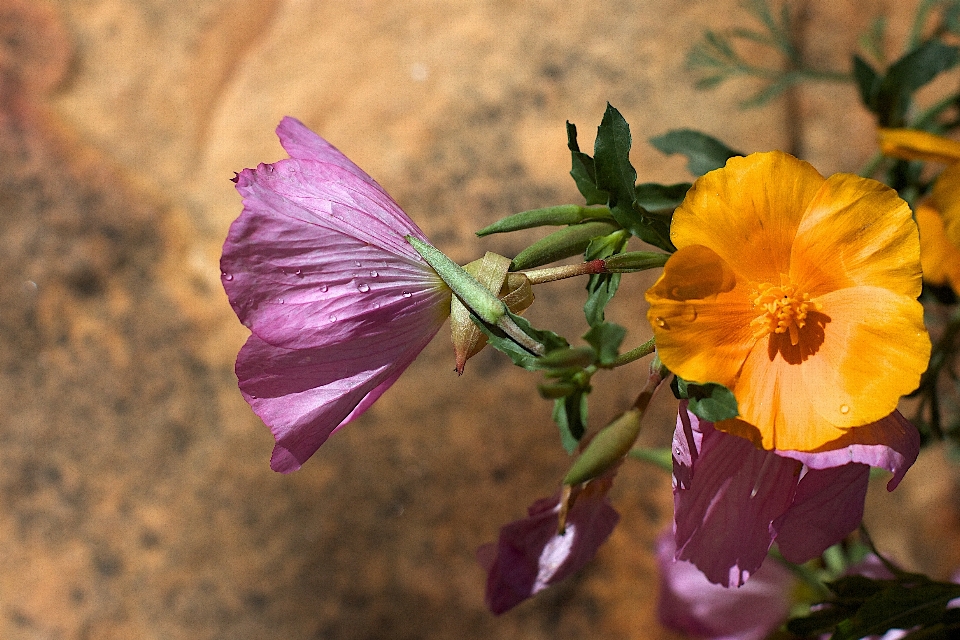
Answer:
(615, 174)
(769, 92)
(606, 339)
(704, 153)
(583, 170)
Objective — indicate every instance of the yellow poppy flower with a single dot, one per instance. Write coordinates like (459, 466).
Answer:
(939, 215)
(796, 292)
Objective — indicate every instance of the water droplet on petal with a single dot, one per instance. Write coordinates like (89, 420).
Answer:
(406, 294)
(677, 451)
(689, 313)
(333, 318)
(844, 409)
(358, 264)
(279, 300)
(298, 273)
(269, 168)
(323, 288)
(374, 274)
(660, 322)
(363, 287)
(227, 276)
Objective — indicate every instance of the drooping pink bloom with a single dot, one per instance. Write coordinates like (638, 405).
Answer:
(692, 605)
(338, 302)
(732, 500)
(531, 554)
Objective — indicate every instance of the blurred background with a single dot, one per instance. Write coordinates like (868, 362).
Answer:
(136, 499)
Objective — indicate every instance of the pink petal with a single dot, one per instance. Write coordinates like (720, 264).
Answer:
(339, 303)
(723, 516)
(318, 256)
(530, 555)
(827, 507)
(892, 443)
(692, 605)
(305, 395)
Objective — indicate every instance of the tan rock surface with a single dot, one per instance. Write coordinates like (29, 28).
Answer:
(136, 499)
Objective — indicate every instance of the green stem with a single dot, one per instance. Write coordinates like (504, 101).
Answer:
(636, 353)
(804, 573)
(551, 274)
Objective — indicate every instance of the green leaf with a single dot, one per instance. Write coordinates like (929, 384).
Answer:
(615, 174)
(548, 216)
(899, 606)
(583, 170)
(661, 197)
(602, 287)
(570, 414)
(520, 356)
(578, 357)
(606, 339)
(908, 74)
(561, 244)
(713, 402)
(704, 153)
(868, 82)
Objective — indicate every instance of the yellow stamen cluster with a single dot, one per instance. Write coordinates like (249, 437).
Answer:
(782, 310)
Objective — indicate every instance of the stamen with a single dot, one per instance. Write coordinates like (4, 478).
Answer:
(782, 309)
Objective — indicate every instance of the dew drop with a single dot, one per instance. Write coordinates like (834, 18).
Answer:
(677, 451)
(374, 274)
(279, 300)
(689, 313)
(844, 409)
(660, 322)
(298, 273)
(227, 276)
(363, 287)
(333, 318)
(269, 168)
(406, 294)
(323, 288)
(358, 263)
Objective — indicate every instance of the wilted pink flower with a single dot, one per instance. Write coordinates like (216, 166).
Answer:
(338, 302)
(531, 554)
(692, 605)
(732, 500)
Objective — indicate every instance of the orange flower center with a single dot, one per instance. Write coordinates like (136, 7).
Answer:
(782, 310)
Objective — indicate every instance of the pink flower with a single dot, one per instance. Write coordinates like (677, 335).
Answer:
(732, 500)
(694, 606)
(531, 554)
(338, 302)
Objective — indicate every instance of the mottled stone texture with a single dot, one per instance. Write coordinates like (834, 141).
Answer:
(136, 499)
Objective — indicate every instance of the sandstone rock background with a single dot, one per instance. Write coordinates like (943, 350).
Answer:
(135, 496)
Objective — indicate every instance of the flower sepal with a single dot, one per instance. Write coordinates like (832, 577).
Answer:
(513, 289)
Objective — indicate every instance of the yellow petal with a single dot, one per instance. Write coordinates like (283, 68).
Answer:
(946, 199)
(856, 232)
(910, 144)
(875, 347)
(700, 314)
(748, 212)
(939, 257)
(775, 410)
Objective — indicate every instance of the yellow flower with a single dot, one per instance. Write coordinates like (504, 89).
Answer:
(939, 215)
(796, 292)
